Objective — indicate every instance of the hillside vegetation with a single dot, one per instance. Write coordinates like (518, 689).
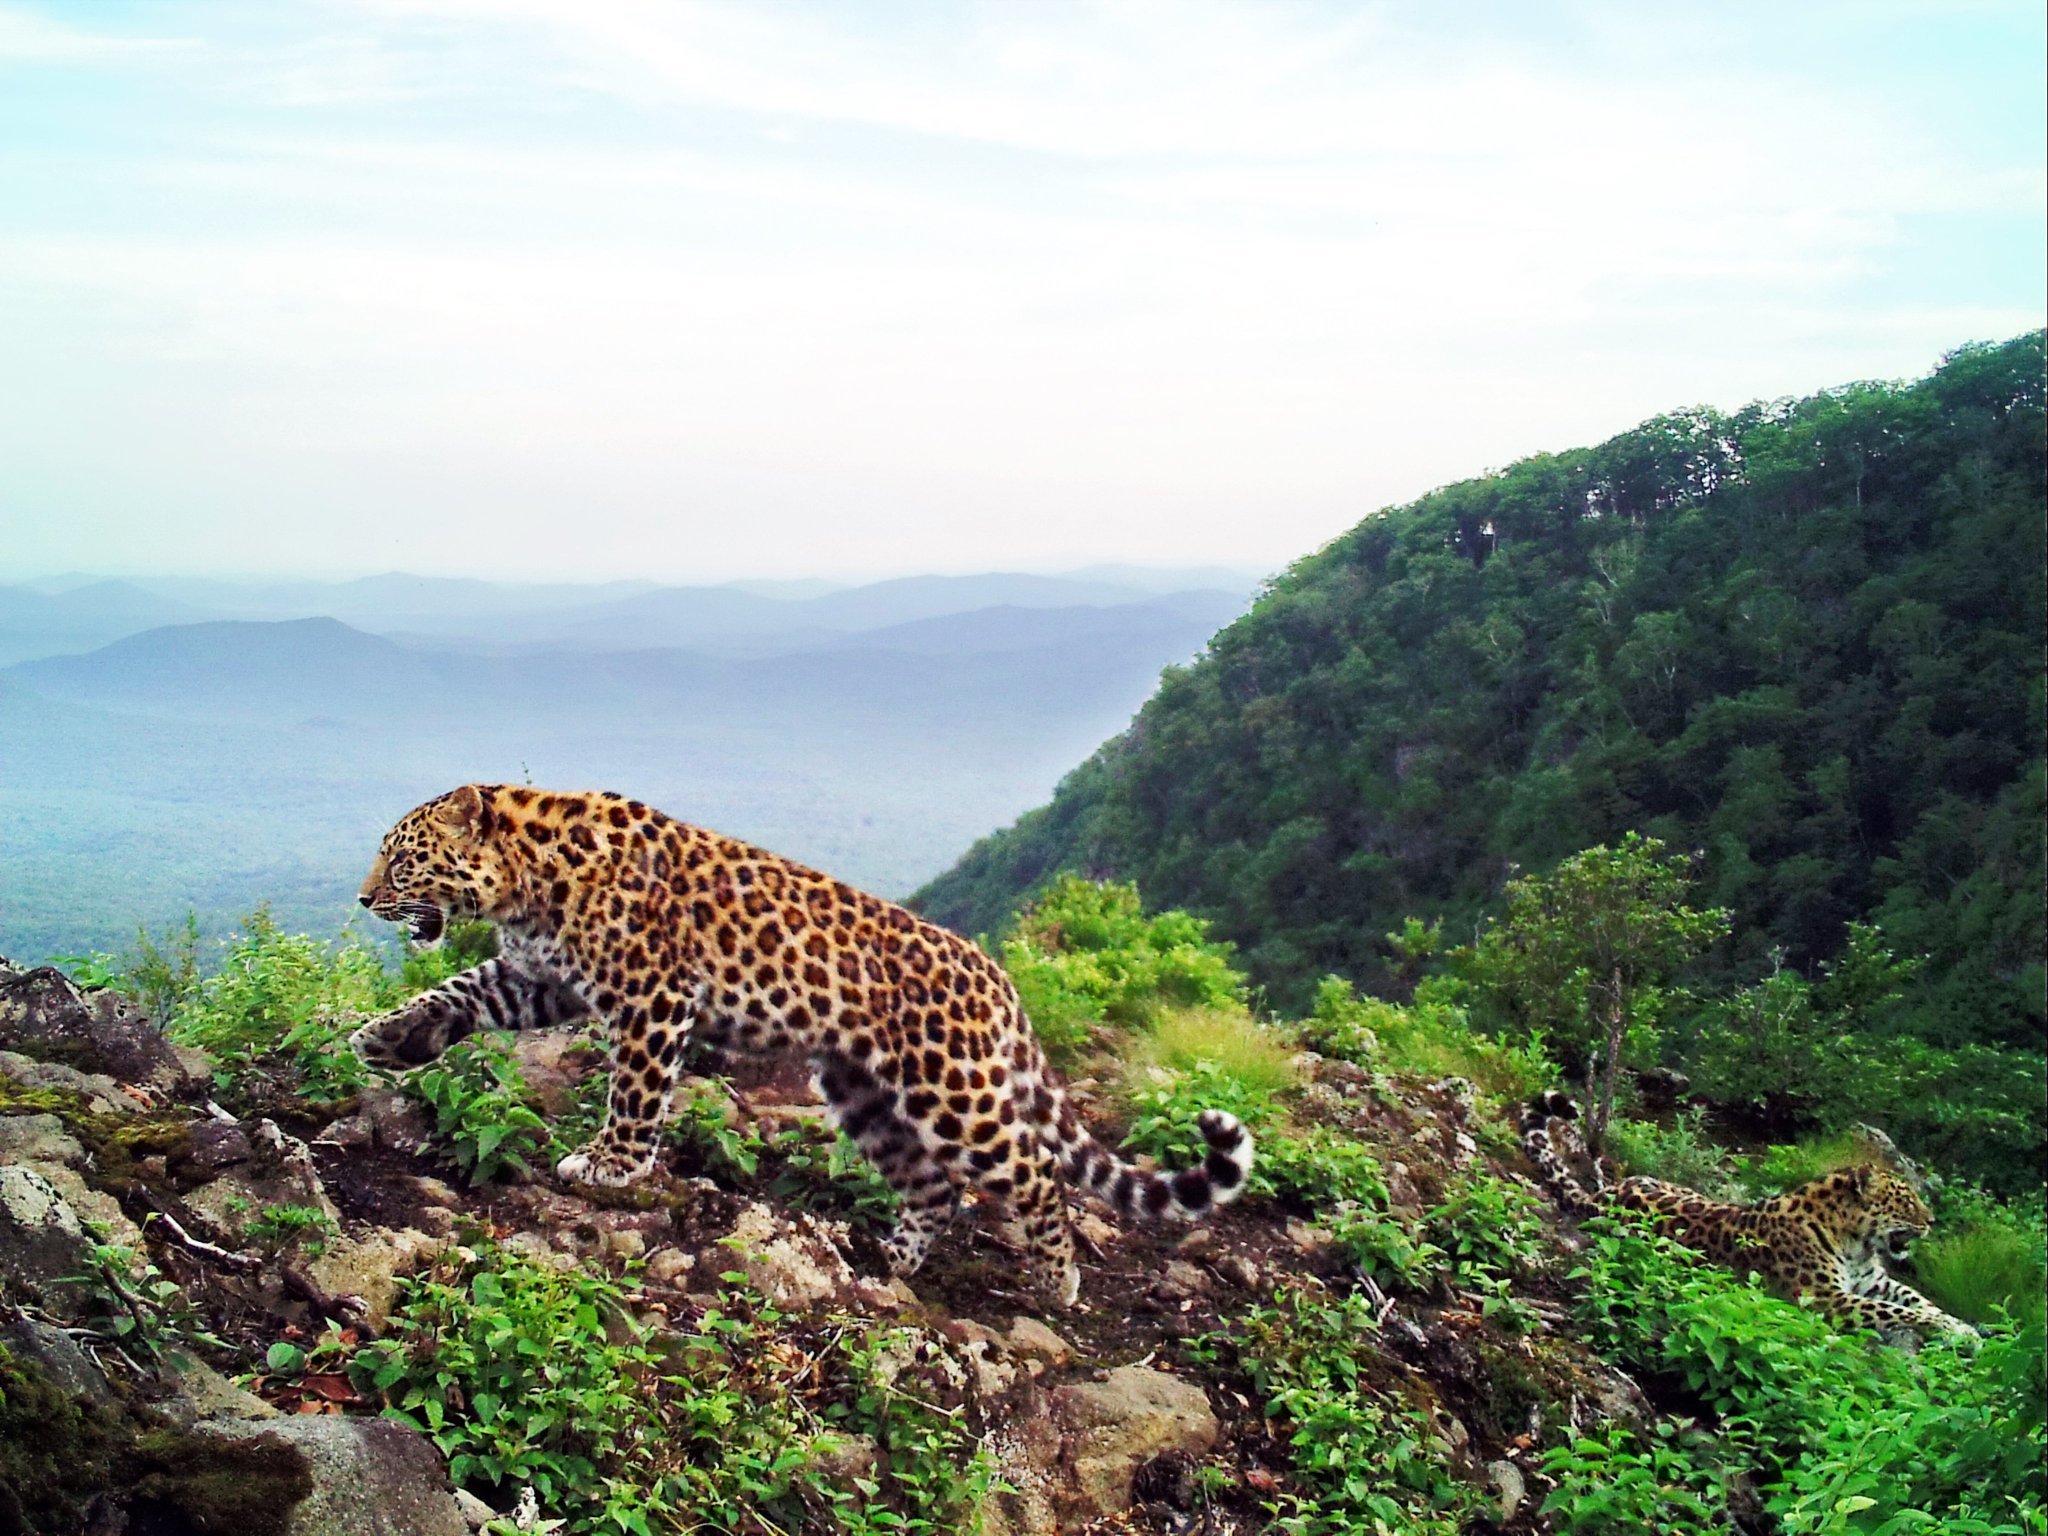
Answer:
(1802, 639)
(1392, 1332)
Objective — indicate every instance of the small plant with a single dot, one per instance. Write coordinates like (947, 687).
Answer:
(481, 1118)
(270, 983)
(823, 1171)
(1319, 1169)
(278, 1227)
(1426, 1039)
(1366, 1458)
(1489, 1228)
(1679, 1153)
(141, 1312)
(1383, 1248)
(531, 1377)
(328, 1069)
(1165, 1113)
(1612, 1480)
(702, 1121)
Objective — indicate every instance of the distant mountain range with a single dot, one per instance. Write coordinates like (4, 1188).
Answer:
(176, 744)
(59, 616)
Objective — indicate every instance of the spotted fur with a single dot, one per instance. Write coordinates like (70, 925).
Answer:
(1826, 1241)
(916, 1037)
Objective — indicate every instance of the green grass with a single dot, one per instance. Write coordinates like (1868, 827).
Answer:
(1257, 1059)
(1978, 1271)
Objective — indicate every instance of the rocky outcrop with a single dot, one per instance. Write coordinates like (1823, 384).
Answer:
(46, 1016)
(364, 1477)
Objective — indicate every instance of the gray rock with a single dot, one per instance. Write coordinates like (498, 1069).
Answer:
(102, 1095)
(369, 1266)
(1115, 1426)
(39, 1139)
(42, 1243)
(53, 1352)
(370, 1477)
(44, 1013)
(791, 1261)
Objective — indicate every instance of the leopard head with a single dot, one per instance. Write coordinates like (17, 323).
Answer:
(1878, 1207)
(439, 863)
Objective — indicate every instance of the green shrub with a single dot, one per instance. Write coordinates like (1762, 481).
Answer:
(1165, 1114)
(1426, 1039)
(482, 1121)
(1382, 1247)
(1613, 1481)
(1366, 1458)
(1489, 1227)
(1679, 1153)
(526, 1375)
(272, 982)
(1084, 955)
(1839, 1433)
(1319, 1169)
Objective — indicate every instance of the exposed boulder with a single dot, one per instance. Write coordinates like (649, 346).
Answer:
(1071, 1456)
(792, 1260)
(42, 1243)
(363, 1477)
(45, 1015)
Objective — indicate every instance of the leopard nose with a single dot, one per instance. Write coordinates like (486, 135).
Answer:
(364, 900)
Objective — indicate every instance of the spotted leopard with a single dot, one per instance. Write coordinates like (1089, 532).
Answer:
(1826, 1241)
(917, 1040)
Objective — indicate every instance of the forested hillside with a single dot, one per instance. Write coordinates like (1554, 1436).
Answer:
(1803, 639)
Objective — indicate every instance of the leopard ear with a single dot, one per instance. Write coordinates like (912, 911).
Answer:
(1857, 1176)
(460, 811)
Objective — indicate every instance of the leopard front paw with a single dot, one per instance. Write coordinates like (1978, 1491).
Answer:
(604, 1167)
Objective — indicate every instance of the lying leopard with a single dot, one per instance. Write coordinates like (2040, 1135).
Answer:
(1826, 1241)
(917, 1040)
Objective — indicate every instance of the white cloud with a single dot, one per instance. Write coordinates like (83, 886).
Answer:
(1013, 284)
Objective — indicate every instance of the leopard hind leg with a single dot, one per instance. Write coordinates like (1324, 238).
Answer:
(927, 1189)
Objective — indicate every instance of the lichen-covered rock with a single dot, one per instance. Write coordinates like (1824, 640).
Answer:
(42, 1243)
(368, 1266)
(44, 1014)
(791, 1261)
(367, 1477)
(1069, 1457)
(278, 1171)
(1114, 1426)
(100, 1093)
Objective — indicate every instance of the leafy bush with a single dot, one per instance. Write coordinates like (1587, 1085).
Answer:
(1426, 1039)
(482, 1121)
(1320, 1169)
(526, 1375)
(1613, 1481)
(1084, 955)
(1165, 1113)
(1488, 1227)
(1366, 1458)
(1382, 1247)
(1679, 1153)
(1840, 1434)
(272, 982)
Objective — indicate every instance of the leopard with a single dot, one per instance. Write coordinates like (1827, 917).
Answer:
(1824, 1243)
(607, 909)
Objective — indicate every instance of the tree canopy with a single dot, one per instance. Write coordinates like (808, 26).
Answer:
(1803, 638)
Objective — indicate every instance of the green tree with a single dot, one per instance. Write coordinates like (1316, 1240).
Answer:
(1588, 954)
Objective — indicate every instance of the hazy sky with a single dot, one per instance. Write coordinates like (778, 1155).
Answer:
(565, 288)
